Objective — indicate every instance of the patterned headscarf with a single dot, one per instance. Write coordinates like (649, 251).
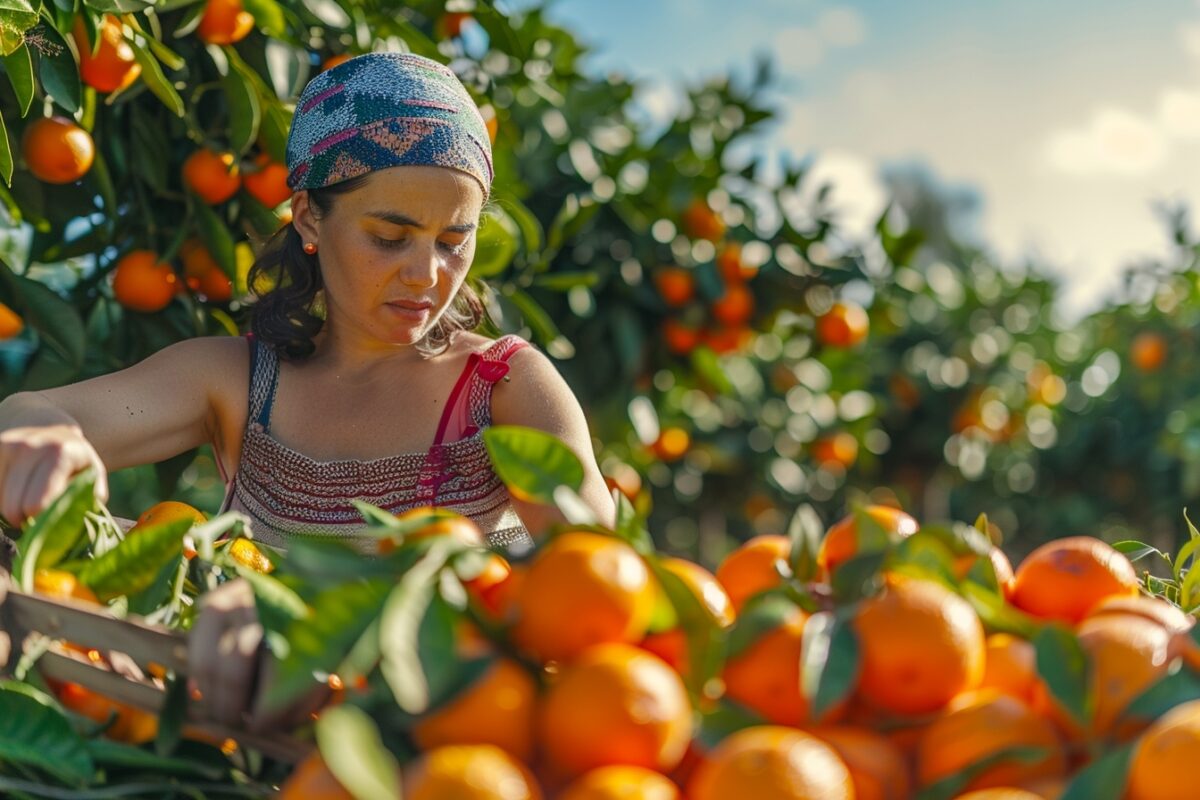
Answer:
(385, 110)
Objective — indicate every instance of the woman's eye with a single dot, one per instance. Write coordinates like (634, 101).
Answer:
(382, 242)
(453, 249)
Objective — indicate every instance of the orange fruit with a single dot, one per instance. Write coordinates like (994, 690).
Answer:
(211, 175)
(56, 150)
(625, 479)
(450, 25)
(1163, 766)
(840, 448)
(841, 542)
(486, 586)
(583, 589)
(441, 522)
(1127, 655)
(62, 585)
(974, 732)
(734, 307)
(1000, 565)
(729, 340)
(1148, 351)
(469, 772)
(676, 285)
(844, 325)
(1155, 609)
(672, 444)
(143, 283)
(731, 266)
(775, 762)
(130, 725)
(1010, 666)
(671, 645)
(497, 709)
(245, 553)
(1000, 793)
(681, 339)
(113, 66)
(224, 22)
(701, 222)
(877, 767)
(312, 780)
(920, 645)
(215, 286)
(1065, 578)
(615, 704)
(334, 60)
(621, 783)
(169, 511)
(267, 184)
(11, 323)
(765, 677)
(754, 567)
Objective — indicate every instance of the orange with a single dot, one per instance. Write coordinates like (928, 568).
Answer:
(844, 325)
(624, 478)
(62, 585)
(920, 645)
(1163, 766)
(775, 762)
(840, 448)
(877, 767)
(731, 266)
(143, 283)
(754, 567)
(56, 150)
(676, 285)
(621, 783)
(1047, 788)
(1064, 578)
(211, 175)
(113, 66)
(841, 540)
(497, 709)
(1010, 666)
(130, 725)
(487, 585)
(672, 444)
(734, 307)
(729, 340)
(701, 222)
(215, 286)
(312, 780)
(616, 704)
(441, 522)
(245, 553)
(169, 511)
(490, 121)
(450, 25)
(1000, 793)
(334, 60)
(224, 22)
(267, 184)
(1127, 655)
(1000, 565)
(1154, 609)
(974, 732)
(680, 338)
(1148, 351)
(671, 645)
(583, 589)
(11, 323)
(765, 677)
(469, 772)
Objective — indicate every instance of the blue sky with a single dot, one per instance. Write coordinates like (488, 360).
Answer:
(1070, 118)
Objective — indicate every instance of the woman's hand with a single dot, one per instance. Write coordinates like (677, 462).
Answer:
(37, 463)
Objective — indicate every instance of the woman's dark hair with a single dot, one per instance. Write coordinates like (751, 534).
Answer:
(287, 313)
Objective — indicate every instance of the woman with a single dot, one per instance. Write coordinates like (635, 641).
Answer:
(362, 376)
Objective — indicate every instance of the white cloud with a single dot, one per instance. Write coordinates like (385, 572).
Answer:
(799, 48)
(842, 26)
(1179, 113)
(1114, 142)
(857, 194)
(1189, 34)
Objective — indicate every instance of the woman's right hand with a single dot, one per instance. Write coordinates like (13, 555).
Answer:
(37, 463)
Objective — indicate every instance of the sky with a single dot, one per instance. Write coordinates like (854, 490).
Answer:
(1074, 120)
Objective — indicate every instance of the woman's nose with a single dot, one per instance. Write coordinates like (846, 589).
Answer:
(421, 267)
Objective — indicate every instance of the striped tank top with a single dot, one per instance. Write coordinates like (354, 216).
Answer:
(288, 495)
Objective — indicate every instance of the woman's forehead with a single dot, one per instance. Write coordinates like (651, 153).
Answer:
(440, 187)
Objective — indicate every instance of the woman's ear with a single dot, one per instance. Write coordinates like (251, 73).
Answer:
(302, 216)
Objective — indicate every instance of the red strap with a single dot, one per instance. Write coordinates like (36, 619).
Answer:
(452, 403)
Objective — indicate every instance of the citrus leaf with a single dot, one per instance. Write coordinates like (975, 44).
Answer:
(1180, 686)
(156, 81)
(16, 17)
(829, 662)
(760, 615)
(705, 638)
(805, 531)
(268, 15)
(722, 719)
(562, 281)
(1063, 665)
(106, 752)
(857, 577)
(531, 229)
(37, 735)
(54, 532)
(57, 70)
(277, 603)
(133, 565)
(708, 366)
(532, 463)
(216, 236)
(351, 747)
(535, 317)
(1136, 550)
(399, 628)
(995, 613)
(954, 785)
(1103, 779)
(18, 65)
(244, 111)
(631, 527)
(171, 716)
(495, 246)
(56, 321)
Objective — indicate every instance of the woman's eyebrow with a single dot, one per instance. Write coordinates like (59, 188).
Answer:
(400, 219)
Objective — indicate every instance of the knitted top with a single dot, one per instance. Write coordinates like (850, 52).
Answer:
(287, 495)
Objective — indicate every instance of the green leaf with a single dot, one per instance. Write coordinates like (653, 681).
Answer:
(858, 577)
(58, 71)
(725, 717)
(954, 785)
(705, 638)
(316, 644)
(171, 716)
(1136, 550)
(399, 626)
(19, 67)
(496, 244)
(708, 366)
(1179, 686)
(107, 753)
(276, 120)
(156, 81)
(160, 590)
(278, 604)
(532, 463)
(133, 566)
(57, 322)
(121, 6)
(760, 615)
(563, 281)
(16, 17)
(216, 236)
(1103, 779)
(531, 229)
(34, 734)
(571, 218)
(544, 329)
(631, 527)
(54, 532)
(269, 16)
(351, 747)
(997, 614)
(244, 112)
(1064, 666)
(829, 662)
(805, 532)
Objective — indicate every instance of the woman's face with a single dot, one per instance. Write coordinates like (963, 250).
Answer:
(394, 251)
